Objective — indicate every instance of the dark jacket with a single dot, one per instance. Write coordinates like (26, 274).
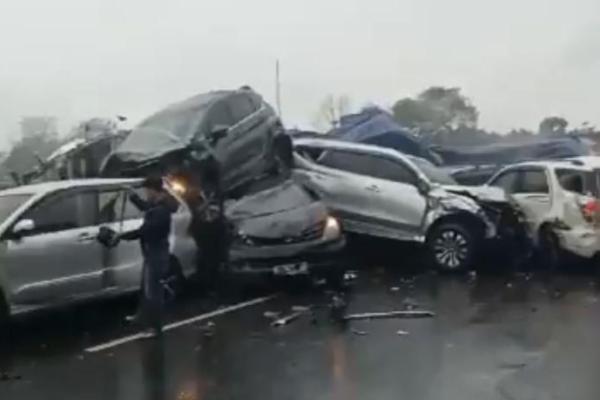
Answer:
(156, 228)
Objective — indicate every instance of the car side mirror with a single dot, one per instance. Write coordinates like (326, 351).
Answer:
(218, 132)
(22, 227)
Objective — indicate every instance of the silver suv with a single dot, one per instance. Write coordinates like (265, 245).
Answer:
(49, 252)
(381, 192)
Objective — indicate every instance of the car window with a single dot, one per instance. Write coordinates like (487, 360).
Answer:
(576, 181)
(507, 181)
(533, 181)
(111, 206)
(241, 106)
(219, 116)
(433, 173)
(63, 211)
(9, 203)
(364, 164)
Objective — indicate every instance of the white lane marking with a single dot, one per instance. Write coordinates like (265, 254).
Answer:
(175, 325)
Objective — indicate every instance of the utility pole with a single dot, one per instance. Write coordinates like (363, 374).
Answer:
(277, 88)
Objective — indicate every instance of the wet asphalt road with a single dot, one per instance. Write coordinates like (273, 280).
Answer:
(494, 336)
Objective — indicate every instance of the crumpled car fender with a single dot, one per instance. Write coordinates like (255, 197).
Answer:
(442, 204)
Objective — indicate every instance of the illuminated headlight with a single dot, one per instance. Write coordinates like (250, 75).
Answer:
(177, 186)
(332, 229)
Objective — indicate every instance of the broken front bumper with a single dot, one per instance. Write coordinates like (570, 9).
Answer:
(582, 241)
(312, 257)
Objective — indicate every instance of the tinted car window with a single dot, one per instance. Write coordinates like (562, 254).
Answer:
(9, 203)
(433, 173)
(576, 181)
(63, 211)
(533, 181)
(507, 181)
(364, 164)
(241, 106)
(111, 206)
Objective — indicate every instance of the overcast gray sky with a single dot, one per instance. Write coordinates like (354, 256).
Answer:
(518, 60)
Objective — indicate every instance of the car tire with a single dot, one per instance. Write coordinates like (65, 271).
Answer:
(549, 251)
(451, 246)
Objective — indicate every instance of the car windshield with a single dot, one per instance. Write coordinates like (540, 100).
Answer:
(433, 173)
(9, 203)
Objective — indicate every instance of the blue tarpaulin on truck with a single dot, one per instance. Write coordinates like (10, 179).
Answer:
(378, 127)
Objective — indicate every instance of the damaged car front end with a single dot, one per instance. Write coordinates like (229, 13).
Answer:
(283, 231)
(380, 192)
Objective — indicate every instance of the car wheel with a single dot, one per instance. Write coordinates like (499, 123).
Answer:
(549, 252)
(451, 247)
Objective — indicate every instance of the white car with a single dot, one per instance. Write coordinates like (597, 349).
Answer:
(49, 252)
(380, 192)
(560, 202)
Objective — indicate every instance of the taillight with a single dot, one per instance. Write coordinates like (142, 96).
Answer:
(590, 209)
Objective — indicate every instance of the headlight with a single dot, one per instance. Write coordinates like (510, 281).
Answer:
(332, 228)
(178, 187)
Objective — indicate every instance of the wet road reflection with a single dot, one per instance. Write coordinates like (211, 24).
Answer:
(514, 336)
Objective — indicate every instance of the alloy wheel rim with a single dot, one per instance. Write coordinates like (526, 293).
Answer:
(451, 249)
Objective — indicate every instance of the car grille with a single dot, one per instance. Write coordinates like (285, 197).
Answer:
(313, 232)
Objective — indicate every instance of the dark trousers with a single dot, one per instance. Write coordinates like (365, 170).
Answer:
(156, 264)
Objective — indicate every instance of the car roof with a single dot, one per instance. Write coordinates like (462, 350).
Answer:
(345, 145)
(46, 187)
(550, 164)
(589, 161)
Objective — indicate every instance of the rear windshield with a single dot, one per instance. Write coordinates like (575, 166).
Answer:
(9, 203)
(577, 181)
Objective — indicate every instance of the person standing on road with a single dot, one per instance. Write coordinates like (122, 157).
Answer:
(154, 240)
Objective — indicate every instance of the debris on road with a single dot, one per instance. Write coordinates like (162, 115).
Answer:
(5, 377)
(394, 289)
(350, 275)
(271, 314)
(359, 332)
(410, 304)
(390, 314)
(301, 308)
(287, 319)
(402, 333)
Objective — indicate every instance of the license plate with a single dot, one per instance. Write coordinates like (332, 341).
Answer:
(291, 269)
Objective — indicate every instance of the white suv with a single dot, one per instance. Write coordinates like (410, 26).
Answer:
(560, 204)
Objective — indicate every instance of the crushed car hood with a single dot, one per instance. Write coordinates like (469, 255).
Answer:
(486, 194)
(286, 210)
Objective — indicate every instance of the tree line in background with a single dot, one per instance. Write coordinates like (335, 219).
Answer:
(444, 116)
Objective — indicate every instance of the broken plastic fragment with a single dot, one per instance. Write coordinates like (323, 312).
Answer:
(402, 333)
(271, 314)
(390, 314)
(301, 308)
(359, 332)
(287, 319)
(394, 289)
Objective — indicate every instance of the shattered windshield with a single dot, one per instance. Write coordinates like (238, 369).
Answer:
(9, 203)
(433, 173)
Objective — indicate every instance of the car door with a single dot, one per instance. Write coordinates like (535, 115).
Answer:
(530, 188)
(122, 264)
(401, 205)
(60, 258)
(533, 194)
(338, 177)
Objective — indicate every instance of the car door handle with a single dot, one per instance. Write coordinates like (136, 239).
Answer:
(373, 188)
(86, 237)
